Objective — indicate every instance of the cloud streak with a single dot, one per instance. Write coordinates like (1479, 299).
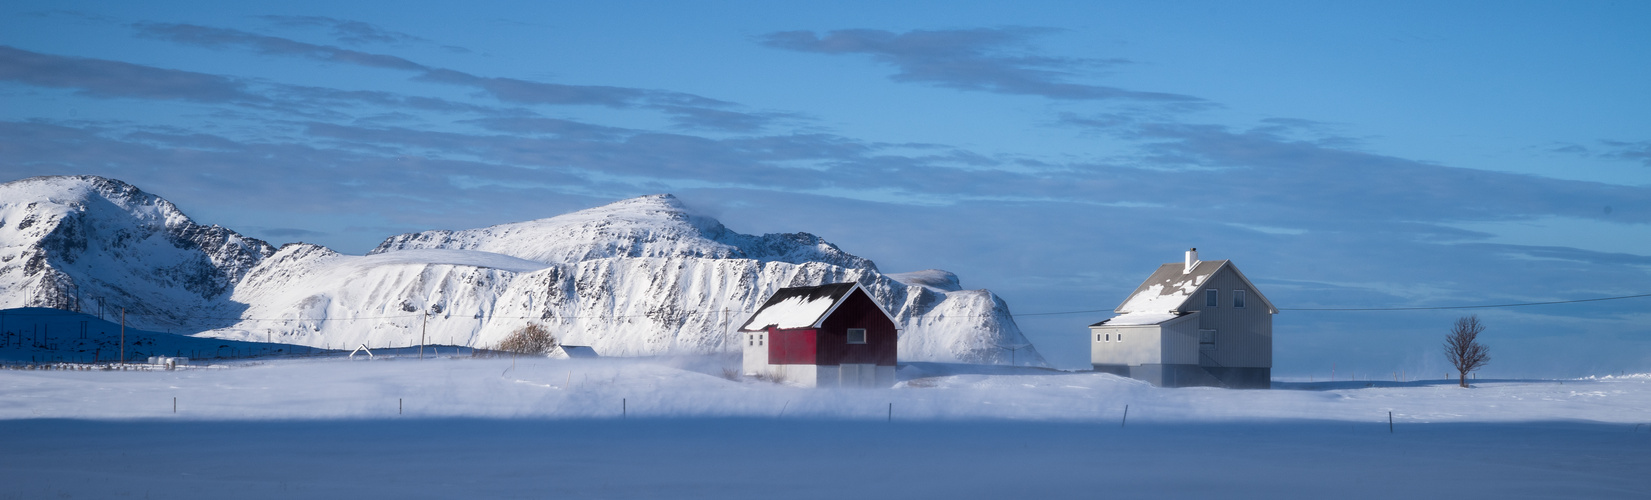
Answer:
(981, 59)
(687, 110)
(345, 31)
(102, 78)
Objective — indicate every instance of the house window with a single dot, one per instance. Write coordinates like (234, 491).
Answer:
(1108, 337)
(1120, 336)
(1212, 298)
(1238, 299)
(1097, 337)
(1206, 340)
(856, 335)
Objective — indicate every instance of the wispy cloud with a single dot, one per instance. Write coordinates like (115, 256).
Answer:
(103, 78)
(344, 30)
(688, 110)
(981, 59)
(217, 38)
(1632, 151)
(1319, 182)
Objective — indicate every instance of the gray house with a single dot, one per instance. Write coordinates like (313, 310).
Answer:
(1192, 323)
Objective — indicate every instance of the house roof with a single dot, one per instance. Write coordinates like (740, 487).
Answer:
(1140, 319)
(802, 307)
(1168, 288)
(579, 351)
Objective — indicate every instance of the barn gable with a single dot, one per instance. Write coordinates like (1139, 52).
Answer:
(804, 307)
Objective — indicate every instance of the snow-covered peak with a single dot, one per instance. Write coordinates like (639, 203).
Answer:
(646, 226)
(67, 241)
(933, 278)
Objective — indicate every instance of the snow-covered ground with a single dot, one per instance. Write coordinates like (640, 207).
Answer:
(676, 428)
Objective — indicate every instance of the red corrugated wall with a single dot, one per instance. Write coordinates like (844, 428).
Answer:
(791, 347)
(858, 311)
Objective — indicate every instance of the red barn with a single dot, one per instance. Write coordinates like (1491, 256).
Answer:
(831, 335)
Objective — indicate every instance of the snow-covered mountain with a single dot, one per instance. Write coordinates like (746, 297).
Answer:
(636, 277)
(648, 226)
(68, 242)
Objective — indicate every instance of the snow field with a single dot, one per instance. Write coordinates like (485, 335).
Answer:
(448, 427)
(678, 387)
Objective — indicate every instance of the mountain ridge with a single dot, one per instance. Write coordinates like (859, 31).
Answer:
(641, 276)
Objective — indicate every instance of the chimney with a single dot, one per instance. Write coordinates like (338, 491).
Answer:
(1192, 260)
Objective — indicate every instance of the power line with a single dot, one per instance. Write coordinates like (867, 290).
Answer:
(1521, 304)
(714, 312)
(1063, 312)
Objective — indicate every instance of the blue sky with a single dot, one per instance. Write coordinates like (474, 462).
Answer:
(1379, 154)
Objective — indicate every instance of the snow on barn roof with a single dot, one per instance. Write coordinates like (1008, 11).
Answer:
(799, 307)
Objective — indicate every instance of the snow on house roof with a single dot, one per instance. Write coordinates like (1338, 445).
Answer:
(1168, 288)
(798, 307)
(1171, 286)
(579, 351)
(1138, 319)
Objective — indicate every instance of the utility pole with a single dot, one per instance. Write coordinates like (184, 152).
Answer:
(1012, 348)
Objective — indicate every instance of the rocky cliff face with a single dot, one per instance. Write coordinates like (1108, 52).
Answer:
(637, 277)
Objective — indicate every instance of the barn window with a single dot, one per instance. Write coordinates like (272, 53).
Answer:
(1120, 336)
(1097, 337)
(1212, 298)
(856, 335)
(1206, 340)
(1108, 337)
(1238, 299)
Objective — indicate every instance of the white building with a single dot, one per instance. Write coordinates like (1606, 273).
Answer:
(1191, 323)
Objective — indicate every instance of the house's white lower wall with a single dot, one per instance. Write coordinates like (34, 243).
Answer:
(855, 375)
(803, 375)
(866, 375)
(755, 347)
(1140, 345)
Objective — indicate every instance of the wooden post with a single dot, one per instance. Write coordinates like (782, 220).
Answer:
(421, 331)
(123, 335)
(1389, 422)
(891, 412)
(174, 404)
(622, 410)
(1126, 417)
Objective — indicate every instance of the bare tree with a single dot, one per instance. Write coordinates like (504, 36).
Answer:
(1462, 347)
(530, 339)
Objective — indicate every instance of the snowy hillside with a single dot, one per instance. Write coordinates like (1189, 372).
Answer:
(636, 277)
(647, 226)
(66, 242)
